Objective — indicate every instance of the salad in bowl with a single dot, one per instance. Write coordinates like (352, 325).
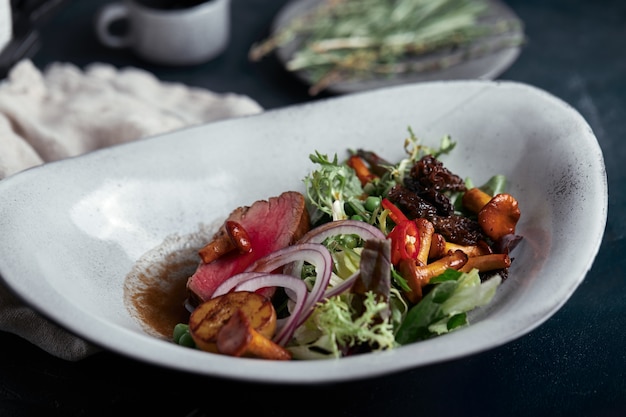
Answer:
(372, 255)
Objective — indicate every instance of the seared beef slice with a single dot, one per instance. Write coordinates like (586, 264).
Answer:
(270, 225)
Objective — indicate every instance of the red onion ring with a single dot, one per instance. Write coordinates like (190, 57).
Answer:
(232, 282)
(338, 227)
(313, 253)
(297, 287)
(342, 227)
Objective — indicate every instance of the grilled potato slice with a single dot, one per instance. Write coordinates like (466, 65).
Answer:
(209, 317)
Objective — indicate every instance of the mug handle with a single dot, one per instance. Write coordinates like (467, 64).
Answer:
(107, 15)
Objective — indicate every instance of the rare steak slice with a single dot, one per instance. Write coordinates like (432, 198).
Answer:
(269, 225)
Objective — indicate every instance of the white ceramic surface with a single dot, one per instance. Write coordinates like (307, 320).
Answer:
(71, 231)
(482, 65)
(6, 23)
(186, 36)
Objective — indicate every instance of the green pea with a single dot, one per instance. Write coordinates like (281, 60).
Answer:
(350, 241)
(179, 330)
(372, 203)
(186, 340)
(357, 217)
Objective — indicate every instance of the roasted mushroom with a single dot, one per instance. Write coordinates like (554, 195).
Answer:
(497, 215)
(418, 275)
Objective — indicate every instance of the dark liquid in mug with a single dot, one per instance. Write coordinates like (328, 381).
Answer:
(170, 4)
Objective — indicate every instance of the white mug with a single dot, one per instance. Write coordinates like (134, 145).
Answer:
(183, 33)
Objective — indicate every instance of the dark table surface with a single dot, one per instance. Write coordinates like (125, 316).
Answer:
(573, 365)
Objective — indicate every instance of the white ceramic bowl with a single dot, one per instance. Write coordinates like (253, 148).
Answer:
(72, 231)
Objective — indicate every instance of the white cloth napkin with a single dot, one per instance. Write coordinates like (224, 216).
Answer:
(64, 111)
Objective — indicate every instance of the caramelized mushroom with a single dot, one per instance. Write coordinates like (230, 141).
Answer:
(497, 215)
(437, 246)
(479, 249)
(418, 275)
(219, 246)
(475, 199)
(426, 231)
(440, 247)
(484, 263)
(231, 236)
(238, 338)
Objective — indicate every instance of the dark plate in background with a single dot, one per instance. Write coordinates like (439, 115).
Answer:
(481, 65)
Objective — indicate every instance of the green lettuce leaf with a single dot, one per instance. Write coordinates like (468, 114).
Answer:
(444, 307)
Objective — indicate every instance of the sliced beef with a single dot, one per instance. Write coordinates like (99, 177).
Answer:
(270, 225)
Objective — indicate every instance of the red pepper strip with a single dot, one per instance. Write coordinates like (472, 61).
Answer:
(362, 171)
(395, 213)
(405, 236)
(405, 241)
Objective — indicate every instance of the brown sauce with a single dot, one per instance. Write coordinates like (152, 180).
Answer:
(156, 288)
(161, 307)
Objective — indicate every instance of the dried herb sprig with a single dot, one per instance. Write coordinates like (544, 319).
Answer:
(341, 40)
